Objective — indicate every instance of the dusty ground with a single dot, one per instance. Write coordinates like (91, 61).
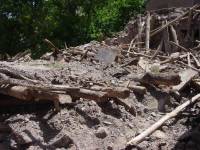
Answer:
(87, 125)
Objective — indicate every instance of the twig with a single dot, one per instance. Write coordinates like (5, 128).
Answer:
(181, 47)
(138, 139)
(180, 62)
(144, 55)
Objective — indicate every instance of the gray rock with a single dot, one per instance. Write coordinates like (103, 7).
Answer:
(101, 132)
(159, 135)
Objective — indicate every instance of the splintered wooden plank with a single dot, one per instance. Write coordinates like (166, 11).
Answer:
(186, 77)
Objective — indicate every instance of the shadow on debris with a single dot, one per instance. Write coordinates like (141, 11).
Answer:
(110, 108)
(10, 105)
(190, 140)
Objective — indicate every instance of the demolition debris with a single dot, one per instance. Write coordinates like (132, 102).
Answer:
(157, 53)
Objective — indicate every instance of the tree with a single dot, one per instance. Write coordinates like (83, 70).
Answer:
(25, 23)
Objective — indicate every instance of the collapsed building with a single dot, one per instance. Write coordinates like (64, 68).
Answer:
(185, 29)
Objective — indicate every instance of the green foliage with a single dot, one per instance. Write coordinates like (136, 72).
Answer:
(112, 16)
(25, 23)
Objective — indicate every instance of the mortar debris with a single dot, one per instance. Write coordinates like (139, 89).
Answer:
(103, 94)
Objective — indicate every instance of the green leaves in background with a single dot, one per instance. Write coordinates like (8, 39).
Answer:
(25, 23)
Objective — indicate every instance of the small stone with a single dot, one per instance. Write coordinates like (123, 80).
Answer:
(23, 138)
(159, 135)
(13, 144)
(153, 114)
(165, 128)
(91, 83)
(65, 141)
(109, 147)
(101, 133)
(131, 126)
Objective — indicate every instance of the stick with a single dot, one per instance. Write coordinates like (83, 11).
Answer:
(131, 45)
(196, 60)
(139, 39)
(138, 139)
(166, 40)
(52, 45)
(186, 78)
(181, 47)
(144, 55)
(188, 59)
(195, 69)
(174, 34)
(148, 28)
(158, 79)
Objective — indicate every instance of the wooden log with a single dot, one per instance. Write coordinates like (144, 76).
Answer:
(174, 34)
(158, 79)
(138, 139)
(186, 77)
(120, 92)
(4, 79)
(166, 40)
(133, 87)
(98, 93)
(138, 89)
(26, 94)
(140, 28)
(174, 37)
(148, 28)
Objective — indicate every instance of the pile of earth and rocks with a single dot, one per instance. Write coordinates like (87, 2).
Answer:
(138, 90)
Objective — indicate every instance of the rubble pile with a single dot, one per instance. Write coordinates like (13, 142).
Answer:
(108, 91)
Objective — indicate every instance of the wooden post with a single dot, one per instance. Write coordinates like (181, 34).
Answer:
(166, 39)
(148, 28)
(139, 39)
